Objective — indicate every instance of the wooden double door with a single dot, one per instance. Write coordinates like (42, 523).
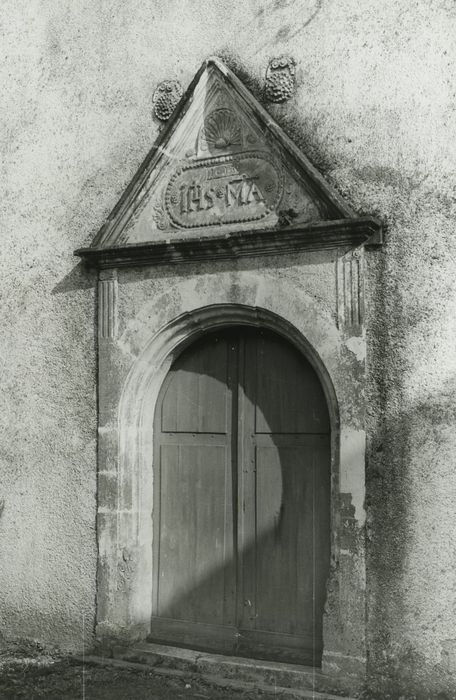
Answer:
(241, 499)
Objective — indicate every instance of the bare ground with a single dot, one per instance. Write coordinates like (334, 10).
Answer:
(28, 671)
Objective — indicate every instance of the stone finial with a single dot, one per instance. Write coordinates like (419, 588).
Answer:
(280, 79)
(165, 98)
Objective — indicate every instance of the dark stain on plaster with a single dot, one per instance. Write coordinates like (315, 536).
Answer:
(240, 68)
(394, 668)
(125, 569)
(282, 35)
(285, 33)
(350, 544)
(388, 496)
(288, 31)
(405, 674)
(349, 528)
(79, 277)
(392, 178)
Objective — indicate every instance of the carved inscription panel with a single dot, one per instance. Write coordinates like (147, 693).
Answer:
(224, 190)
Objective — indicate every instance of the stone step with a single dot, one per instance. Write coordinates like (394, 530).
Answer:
(228, 671)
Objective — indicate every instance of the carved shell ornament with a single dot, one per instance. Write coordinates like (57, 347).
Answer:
(221, 130)
(280, 79)
(166, 97)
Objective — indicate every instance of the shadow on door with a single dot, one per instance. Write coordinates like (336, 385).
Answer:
(242, 499)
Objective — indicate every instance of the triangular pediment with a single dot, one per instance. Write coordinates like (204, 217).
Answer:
(221, 165)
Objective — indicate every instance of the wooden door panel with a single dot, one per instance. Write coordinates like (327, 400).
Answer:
(284, 547)
(195, 530)
(288, 395)
(285, 461)
(292, 548)
(196, 400)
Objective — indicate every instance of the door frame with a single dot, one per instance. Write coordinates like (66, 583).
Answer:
(125, 486)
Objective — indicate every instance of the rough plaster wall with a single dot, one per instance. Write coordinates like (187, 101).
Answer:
(48, 413)
(375, 111)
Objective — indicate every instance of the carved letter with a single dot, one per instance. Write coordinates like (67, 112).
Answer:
(182, 189)
(231, 194)
(194, 198)
(254, 194)
(209, 197)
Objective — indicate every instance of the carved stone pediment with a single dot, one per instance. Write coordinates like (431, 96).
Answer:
(221, 167)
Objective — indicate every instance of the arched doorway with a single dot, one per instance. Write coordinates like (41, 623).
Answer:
(242, 499)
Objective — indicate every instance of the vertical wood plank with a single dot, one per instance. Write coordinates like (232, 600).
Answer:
(196, 398)
(289, 441)
(289, 398)
(247, 486)
(193, 519)
(193, 535)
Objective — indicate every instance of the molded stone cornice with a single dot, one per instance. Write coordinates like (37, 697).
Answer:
(343, 233)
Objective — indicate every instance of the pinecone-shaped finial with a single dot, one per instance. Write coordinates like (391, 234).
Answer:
(166, 97)
(280, 79)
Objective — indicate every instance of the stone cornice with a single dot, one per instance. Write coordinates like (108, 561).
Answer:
(322, 235)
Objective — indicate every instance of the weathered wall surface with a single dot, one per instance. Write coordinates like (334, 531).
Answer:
(375, 110)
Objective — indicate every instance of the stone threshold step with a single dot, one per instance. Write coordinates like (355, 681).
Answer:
(210, 679)
(226, 671)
